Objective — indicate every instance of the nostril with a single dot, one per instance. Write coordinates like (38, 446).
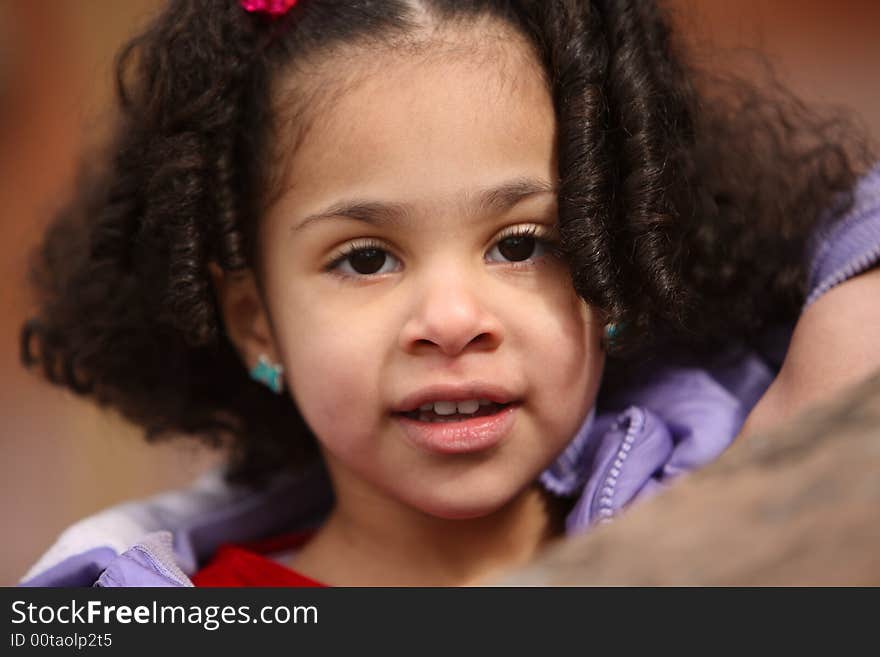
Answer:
(452, 345)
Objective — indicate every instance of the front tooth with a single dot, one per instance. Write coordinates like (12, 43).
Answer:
(444, 407)
(470, 406)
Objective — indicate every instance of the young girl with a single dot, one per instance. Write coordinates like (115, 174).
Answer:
(451, 279)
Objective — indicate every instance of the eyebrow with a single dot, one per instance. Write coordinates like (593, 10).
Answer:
(379, 213)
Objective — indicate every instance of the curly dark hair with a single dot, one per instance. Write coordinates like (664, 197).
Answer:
(685, 202)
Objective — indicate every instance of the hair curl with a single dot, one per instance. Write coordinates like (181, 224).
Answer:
(674, 189)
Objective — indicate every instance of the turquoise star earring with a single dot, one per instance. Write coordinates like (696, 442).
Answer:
(268, 374)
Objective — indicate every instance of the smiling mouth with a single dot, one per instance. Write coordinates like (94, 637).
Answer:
(418, 415)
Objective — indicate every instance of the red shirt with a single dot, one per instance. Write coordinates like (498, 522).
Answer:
(245, 565)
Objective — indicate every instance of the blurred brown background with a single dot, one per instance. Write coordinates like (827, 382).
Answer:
(62, 458)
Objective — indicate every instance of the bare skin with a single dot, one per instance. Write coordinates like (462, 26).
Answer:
(387, 550)
(834, 347)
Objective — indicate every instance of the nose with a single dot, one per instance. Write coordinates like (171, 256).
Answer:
(450, 314)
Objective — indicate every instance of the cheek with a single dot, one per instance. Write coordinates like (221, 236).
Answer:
(568, 331)
(568, 369)
(330, 369)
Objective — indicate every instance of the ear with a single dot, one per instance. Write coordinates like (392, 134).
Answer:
(244, 314)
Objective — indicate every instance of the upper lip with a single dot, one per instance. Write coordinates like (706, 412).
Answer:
(455, 392)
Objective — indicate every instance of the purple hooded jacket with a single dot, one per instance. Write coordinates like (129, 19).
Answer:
(682, 415)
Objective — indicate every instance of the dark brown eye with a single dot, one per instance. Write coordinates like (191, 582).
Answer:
(517, 248)
(523, 245)
(367, 261)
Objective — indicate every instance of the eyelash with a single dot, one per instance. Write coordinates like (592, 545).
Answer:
(547, 240)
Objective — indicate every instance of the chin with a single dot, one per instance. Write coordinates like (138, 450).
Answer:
(461, 507)
(459, 513)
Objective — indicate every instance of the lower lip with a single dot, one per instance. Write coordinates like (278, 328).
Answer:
(462, 436)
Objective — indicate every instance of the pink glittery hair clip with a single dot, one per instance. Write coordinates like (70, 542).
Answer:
(273, 8)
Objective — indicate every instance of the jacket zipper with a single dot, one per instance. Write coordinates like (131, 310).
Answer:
(603, 506)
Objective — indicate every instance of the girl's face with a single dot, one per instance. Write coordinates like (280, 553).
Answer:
(408, 261)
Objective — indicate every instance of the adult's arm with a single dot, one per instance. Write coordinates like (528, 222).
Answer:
(835, 345)
(836, 342)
